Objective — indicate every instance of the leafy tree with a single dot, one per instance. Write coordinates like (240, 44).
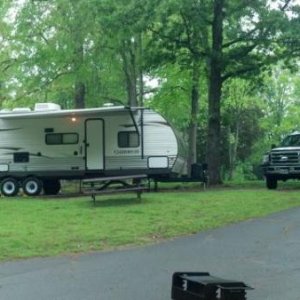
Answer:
(280, 105)
(47, 49)
(234, 38)
(6, 60)
(241, 117)
(278, 97)
(179, 36)
(244, 42)
(126, 26)
(90, 52)
(174, 84)
(61, 55)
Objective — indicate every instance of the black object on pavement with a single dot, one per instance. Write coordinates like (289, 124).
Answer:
(201, 285)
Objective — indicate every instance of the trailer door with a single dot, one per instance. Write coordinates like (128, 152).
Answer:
(94, 136)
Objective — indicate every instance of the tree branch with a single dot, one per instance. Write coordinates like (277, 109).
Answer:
(285, 6)
(179, 42)
(241, 71)
(240, 39)
(6, 64)
(241, 52)
(188, 32)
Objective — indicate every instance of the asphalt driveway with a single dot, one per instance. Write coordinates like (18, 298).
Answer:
(264, 253)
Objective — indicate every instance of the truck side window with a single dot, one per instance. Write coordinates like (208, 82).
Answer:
(128, 139)
(61, 138)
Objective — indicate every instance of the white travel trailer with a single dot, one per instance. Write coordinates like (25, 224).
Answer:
(39, 148)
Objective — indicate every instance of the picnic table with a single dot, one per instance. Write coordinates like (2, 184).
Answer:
(113, 184)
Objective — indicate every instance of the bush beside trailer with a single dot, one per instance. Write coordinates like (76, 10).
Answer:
(39, 148)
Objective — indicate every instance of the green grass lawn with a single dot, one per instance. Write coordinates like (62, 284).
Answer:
(46, 227)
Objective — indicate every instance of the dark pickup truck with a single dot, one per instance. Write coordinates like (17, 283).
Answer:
(282, 162)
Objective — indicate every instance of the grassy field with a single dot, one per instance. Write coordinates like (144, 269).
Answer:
(46, 227)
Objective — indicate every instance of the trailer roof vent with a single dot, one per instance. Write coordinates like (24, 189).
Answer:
(5, 111)
(46, 106)
(108, 104)
(21, 109)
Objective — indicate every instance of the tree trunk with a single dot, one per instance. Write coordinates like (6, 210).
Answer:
(233, 149)
(128, 54)
(140, 69)
(79, 85)
(192, 155)
(79, 94)
(214, 96)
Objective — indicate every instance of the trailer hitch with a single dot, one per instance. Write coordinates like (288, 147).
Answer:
(201, 285)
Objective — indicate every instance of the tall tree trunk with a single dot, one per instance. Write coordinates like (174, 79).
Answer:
(78, 56)
(214, 96)
(233, 146)
(79, 86)
(79, 94)
(128, 54)
(140, 70)
(192, 155)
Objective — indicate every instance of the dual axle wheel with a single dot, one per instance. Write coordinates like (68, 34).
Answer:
(32, 186)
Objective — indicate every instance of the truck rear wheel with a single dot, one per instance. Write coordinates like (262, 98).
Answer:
(9, 187)
(51, 187)
(271, 182)
(32, 186)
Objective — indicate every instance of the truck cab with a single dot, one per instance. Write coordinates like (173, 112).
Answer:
(283, 161)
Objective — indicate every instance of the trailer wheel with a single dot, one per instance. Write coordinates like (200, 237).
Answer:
(32, 186)
(51, 187)
(271, 182)
(9, 187)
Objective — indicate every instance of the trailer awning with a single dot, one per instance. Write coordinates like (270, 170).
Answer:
(64, 112)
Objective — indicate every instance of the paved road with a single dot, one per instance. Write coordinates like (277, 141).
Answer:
(263, 253)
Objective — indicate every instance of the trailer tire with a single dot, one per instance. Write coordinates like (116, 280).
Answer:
(9, 187)
(51, 186)
(271, 182)
(32, 186)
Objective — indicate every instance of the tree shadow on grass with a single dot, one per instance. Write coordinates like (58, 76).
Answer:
(117, 202)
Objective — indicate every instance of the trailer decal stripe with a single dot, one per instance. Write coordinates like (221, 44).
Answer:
(10, 148)
(127, 125)
(10, 129)
(157, 123)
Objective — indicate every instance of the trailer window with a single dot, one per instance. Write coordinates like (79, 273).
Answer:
(21, 157)
(61, 138)
(128, 139)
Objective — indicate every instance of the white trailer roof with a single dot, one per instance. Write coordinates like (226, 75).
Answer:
(64, 112)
